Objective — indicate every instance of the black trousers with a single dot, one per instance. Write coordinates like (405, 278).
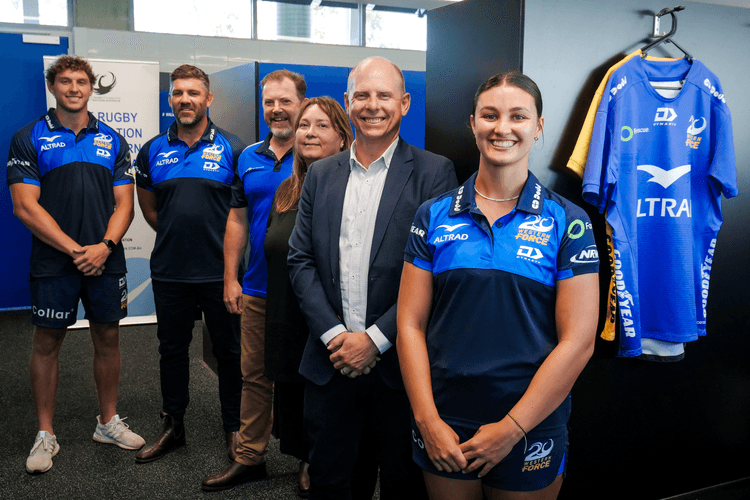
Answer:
(176, 304)
(354, 427)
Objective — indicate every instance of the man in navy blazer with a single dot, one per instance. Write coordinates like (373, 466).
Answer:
(345, 261)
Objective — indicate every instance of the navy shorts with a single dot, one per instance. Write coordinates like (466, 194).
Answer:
(54, 300)
(531, 469)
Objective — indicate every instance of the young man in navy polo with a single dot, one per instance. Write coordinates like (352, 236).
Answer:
(71, 180)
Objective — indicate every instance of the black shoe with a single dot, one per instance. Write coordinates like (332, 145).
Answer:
(172, 437)
(233, 441)
(234, 475)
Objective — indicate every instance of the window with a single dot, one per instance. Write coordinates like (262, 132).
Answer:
(227, 18)
(333, 23)
(42, 12)
(389, 28)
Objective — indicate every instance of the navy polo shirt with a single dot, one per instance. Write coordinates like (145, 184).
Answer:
(76, 174)
(259, 173)
(493, 312)
(193, 189)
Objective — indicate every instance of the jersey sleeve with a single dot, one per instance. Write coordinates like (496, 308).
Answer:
(239, 200)
(723, 169)
(595, 175)
(418, 249)
(22, 161)
(578, 253)
(124, 173)
(142, 171)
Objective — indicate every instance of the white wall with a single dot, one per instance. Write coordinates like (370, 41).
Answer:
(214, 54)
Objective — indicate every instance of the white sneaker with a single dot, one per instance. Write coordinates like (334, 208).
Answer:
(117, 432)
(40, 459)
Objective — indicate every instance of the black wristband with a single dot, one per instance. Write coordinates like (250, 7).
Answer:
(110, 244)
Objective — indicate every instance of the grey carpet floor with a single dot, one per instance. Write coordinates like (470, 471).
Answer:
(86, 469)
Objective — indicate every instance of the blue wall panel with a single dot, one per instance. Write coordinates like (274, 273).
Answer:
(331, 81)
(23, 101)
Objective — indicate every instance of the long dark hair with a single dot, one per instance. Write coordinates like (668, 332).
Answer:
(288, 194)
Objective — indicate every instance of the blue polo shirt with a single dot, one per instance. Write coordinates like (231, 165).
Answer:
(76, 174)
(193, 188)
(259, 173)
(493, 312)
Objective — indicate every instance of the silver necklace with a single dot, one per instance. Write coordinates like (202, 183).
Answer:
(494, 199)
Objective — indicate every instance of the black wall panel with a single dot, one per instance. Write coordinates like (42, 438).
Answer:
(638, 430)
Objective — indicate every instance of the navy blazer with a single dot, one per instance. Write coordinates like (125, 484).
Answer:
(414, 176)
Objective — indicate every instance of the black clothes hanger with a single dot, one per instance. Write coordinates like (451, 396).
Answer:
(668, 36)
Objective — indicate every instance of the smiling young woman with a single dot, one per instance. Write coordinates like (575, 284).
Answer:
(489, 386)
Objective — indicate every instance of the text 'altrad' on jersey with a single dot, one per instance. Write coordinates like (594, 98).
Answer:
(493, 311)
(76, 174)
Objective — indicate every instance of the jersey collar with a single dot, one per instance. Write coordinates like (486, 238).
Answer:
(265, 150)
(530, 201)
(53, 123)
(209, 135)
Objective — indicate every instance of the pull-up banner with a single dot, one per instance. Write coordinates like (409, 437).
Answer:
(126, 97)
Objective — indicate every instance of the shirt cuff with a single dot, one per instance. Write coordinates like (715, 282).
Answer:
(332, 333)
(377, 337)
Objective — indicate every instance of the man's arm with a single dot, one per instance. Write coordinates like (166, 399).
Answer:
(235, 238)
(147, 202)
(41, 224)
(92, 258)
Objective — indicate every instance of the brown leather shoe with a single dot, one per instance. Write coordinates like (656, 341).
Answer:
(234, 475)
(233, 442)
(172, 437)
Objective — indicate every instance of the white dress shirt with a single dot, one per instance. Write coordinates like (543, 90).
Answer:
(361, 202)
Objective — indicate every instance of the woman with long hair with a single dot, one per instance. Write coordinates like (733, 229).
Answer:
(497, 314)
(322, 129)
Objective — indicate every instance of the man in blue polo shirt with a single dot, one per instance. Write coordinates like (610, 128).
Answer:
(70, 177)
(261, 169)
(184, 179)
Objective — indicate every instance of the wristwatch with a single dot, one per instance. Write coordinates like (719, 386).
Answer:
(110, 244)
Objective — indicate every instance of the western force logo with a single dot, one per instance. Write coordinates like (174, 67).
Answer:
(712, 90)
(665, 116)
(664, 178)
(105, 83)
(165, 158)
(536, 229)
(539, 458)
(696, 127)
(213, 152)
(103, 141)
(588, 255)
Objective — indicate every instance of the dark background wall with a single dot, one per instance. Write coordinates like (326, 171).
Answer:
(638, 430)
